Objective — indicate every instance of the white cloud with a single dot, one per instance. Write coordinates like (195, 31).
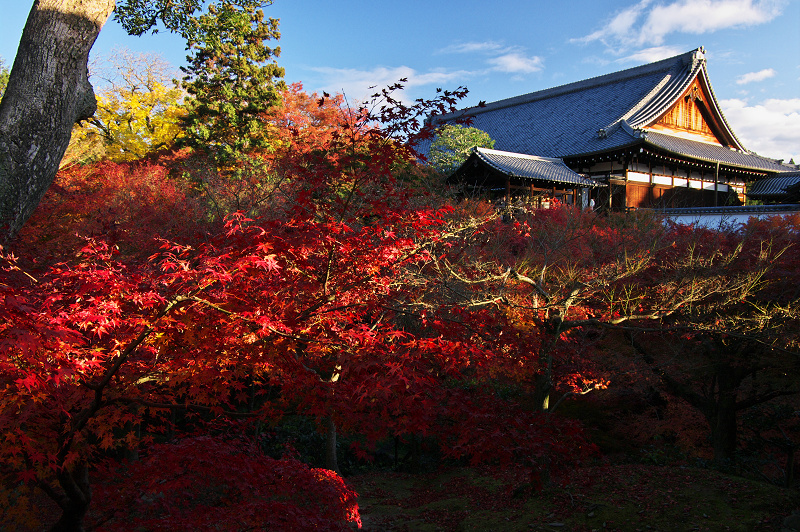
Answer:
(704, 16)
(750, 77)
(620, 25)
(517, 63)
(770, 128)
(500, 57)
(355, 84)
(651, 55)
(472, 47)
(641, 24)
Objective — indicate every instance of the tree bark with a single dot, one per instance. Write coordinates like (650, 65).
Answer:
(718, 402)
(48, 92)
(543, 385)
(721, 416)
(75, 502)
(331, 455)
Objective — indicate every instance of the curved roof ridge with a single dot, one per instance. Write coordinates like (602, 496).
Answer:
(663, 95)
(622, 124)
(646, 100)
(613, 126)
(669, 90)
(490, 151)
(665, 99)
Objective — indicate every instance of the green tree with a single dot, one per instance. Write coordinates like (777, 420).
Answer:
(3, 77)
(232, 79)
(453, 144)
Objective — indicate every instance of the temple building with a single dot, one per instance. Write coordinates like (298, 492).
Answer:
(651, 136)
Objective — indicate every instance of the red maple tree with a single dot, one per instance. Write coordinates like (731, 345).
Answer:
(101, 351)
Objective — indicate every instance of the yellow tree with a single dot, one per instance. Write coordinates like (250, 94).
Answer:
(3, 77)
(138, 111)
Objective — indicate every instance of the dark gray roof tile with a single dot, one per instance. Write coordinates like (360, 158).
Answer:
(713, 152)
(774, 187)
(529, 167)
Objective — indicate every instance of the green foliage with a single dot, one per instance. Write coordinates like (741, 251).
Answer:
(231, 79)
(140, 16)
(4, 73)
(453, 145)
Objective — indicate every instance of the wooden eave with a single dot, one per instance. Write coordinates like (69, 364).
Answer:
(643, 150)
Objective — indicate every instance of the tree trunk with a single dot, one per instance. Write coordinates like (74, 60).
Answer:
(543, 385)
(789, 469)
(718, 403)
(724, 431)
(331, 454)
(48, 92)
(75, 503)
(720, 413)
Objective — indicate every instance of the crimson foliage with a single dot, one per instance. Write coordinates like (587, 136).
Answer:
(214, 483)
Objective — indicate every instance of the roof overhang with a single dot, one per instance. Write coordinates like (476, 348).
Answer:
(485, 166)
(680, 150)
(774, 188)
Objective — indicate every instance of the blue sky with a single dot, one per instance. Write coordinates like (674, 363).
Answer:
(502, 48)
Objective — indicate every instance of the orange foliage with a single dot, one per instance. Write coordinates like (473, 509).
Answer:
(127, 204)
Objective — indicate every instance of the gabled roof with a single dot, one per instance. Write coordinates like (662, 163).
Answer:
(608, 113)
(531, 168)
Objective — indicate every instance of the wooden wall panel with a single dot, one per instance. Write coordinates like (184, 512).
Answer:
(638, 195)
(686, 118)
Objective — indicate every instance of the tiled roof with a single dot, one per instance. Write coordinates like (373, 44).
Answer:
(712, 152)
(774, 187)
(605, 113)
(527, 167)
